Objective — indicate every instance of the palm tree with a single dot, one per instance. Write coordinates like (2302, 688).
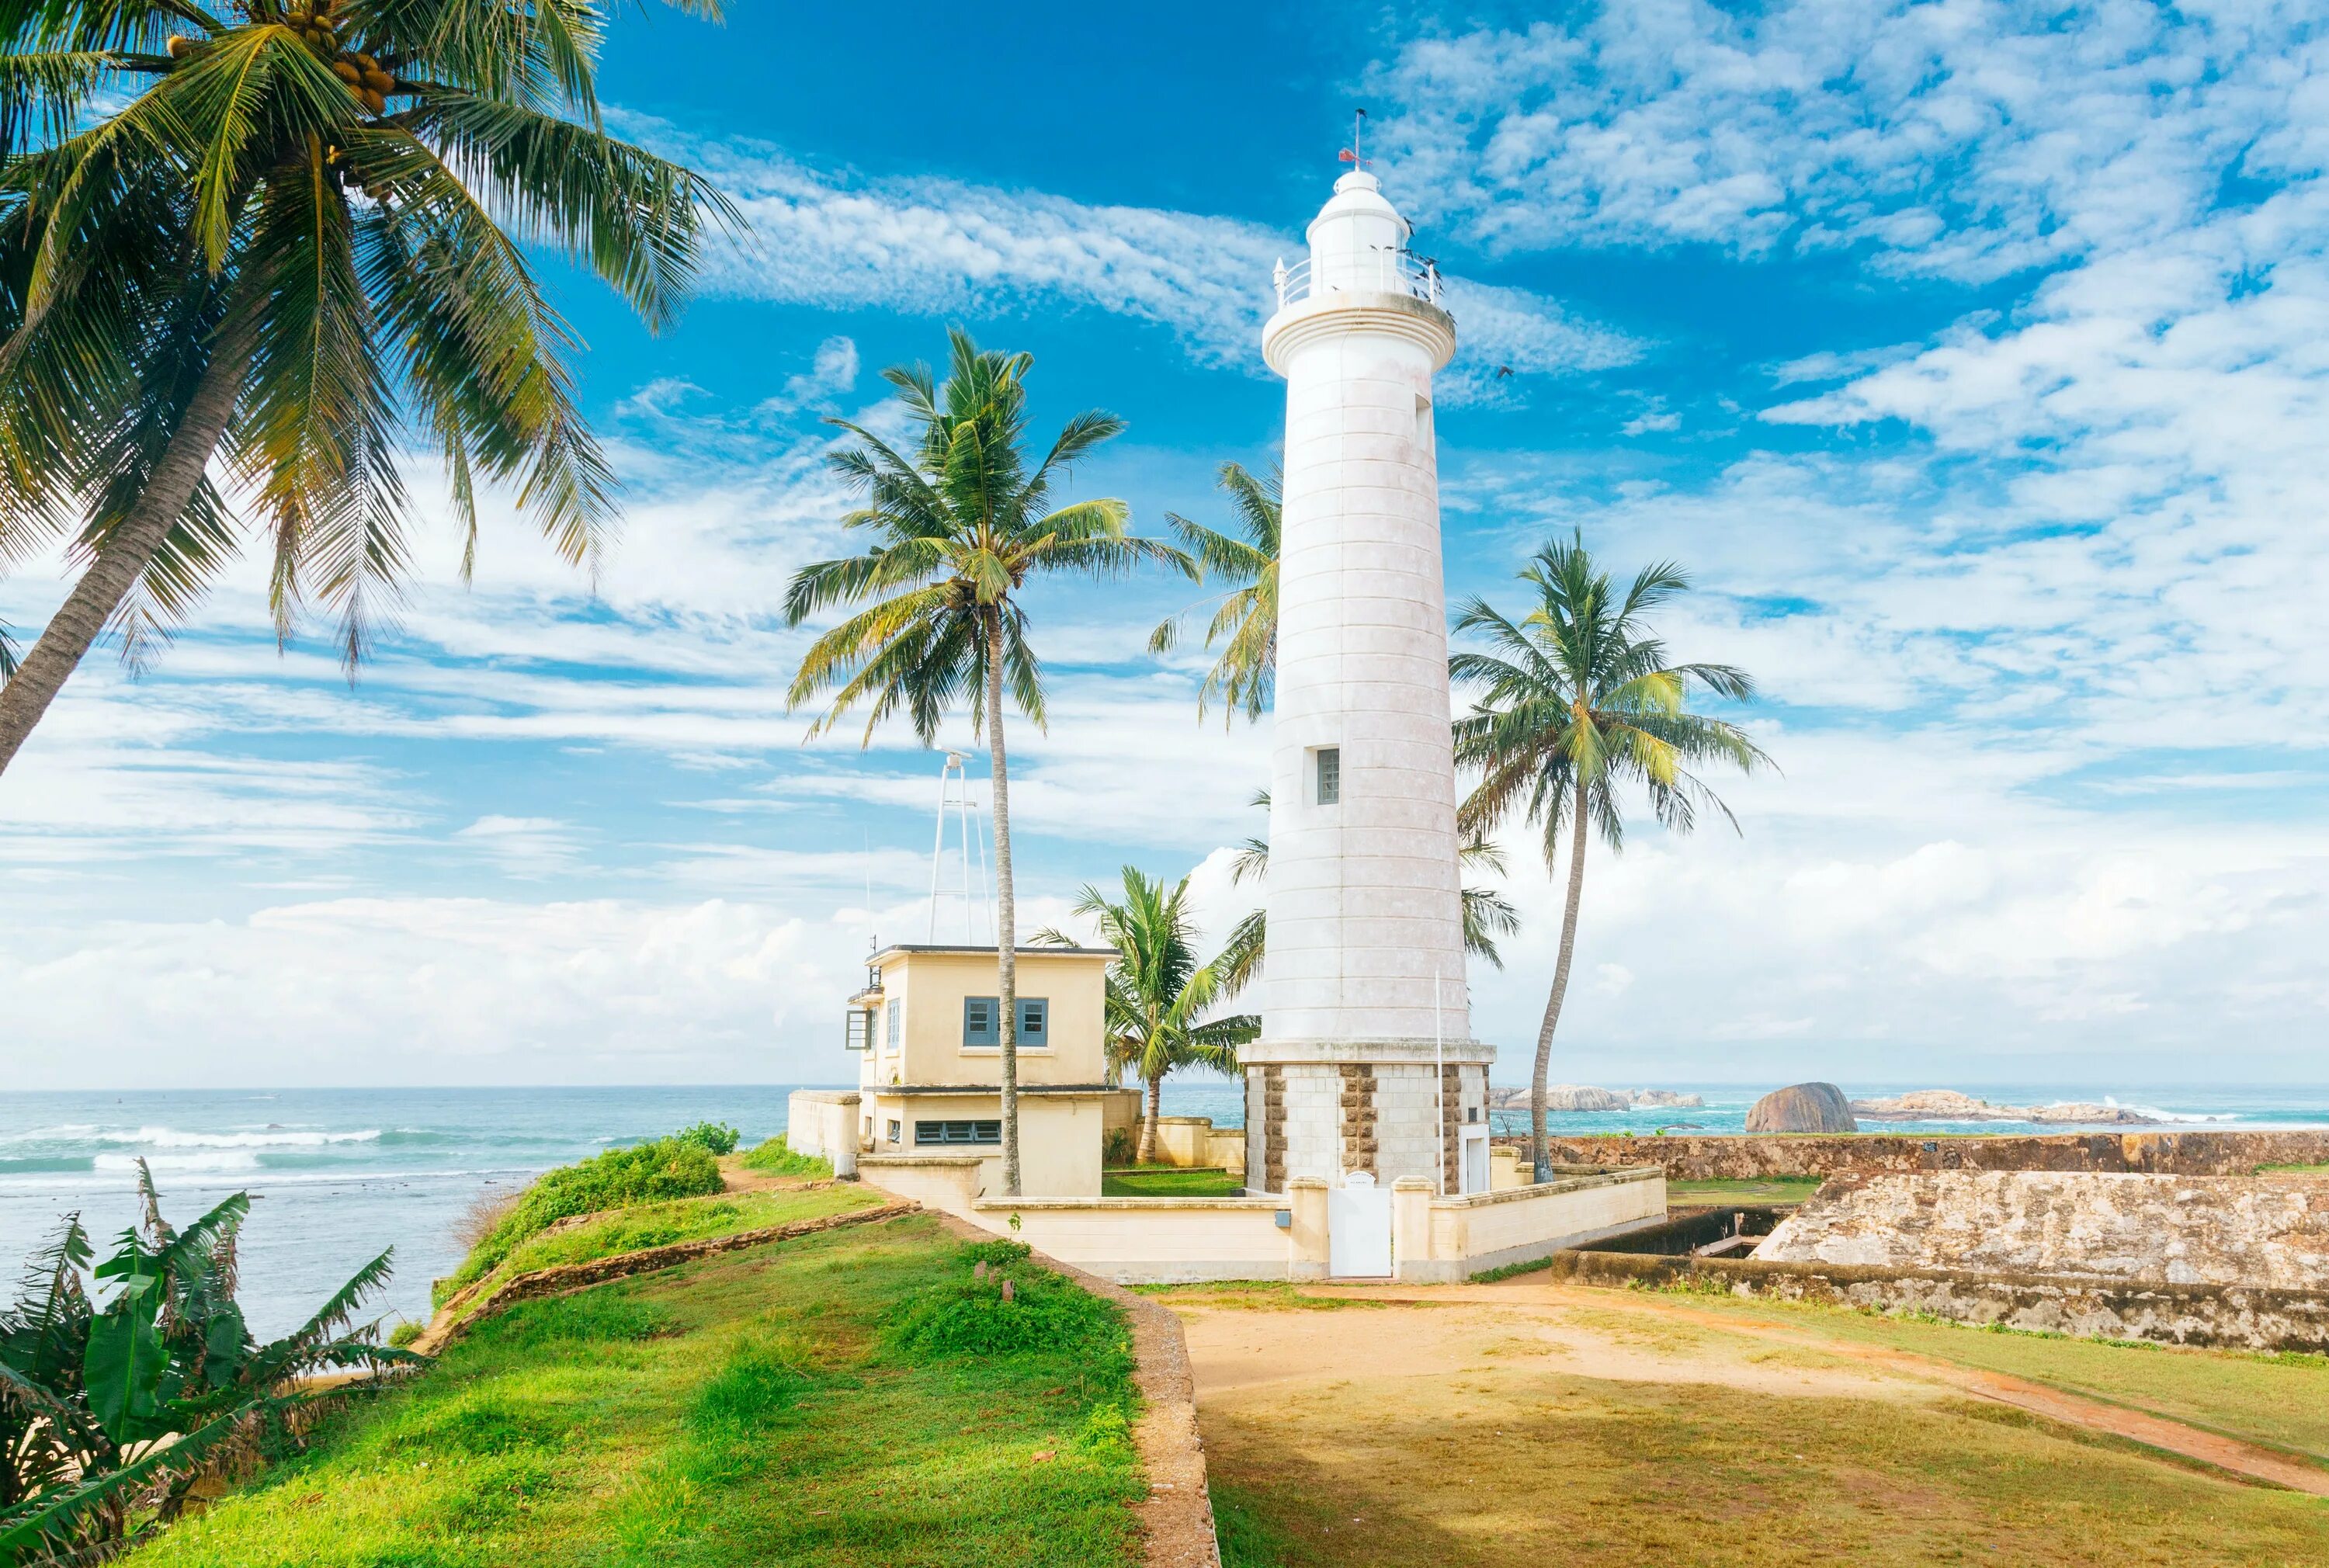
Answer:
(959, 522)
(287, 237)
(1576, 702)
(1487, 914)
(1157, 992)
(1245, 674)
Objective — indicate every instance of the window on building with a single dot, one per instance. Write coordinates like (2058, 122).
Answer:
(861, 1030)
(947, 1134)
(895, 1127)
(1034, 1022)
(893, 1039)
(1328, 770)
(981, 1021)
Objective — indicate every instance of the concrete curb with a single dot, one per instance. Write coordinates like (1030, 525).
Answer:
(1176, 1520)
(561, 1278)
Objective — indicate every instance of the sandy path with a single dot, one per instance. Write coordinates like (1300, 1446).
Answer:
(1438, 1331)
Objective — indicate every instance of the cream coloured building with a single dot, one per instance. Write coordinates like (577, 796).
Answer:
(928, 1031)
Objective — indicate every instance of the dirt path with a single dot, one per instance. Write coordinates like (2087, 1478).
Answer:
(1441, 1331)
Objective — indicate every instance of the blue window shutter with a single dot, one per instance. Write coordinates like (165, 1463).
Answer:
(890, 1040)
(982, 1020)
(1034, 1020)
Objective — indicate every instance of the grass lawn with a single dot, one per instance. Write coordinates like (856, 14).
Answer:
(2293, 1171)
(1761, 1192)
(1462, 1433)
(746, 1409)
(679, 1219)
(1170, 1182)
(2281, 1401)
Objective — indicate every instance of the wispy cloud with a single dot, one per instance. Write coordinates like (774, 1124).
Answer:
(932, 245)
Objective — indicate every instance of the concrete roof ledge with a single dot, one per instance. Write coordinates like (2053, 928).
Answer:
(1136, 1204)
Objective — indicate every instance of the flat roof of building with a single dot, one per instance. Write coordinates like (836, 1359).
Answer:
(1045, 951)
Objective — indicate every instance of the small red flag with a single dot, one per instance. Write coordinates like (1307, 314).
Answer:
(1348, 156)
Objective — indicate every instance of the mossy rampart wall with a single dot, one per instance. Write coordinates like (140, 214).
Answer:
(1736, 1157)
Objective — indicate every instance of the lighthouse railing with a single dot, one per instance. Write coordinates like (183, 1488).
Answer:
(1384, 272)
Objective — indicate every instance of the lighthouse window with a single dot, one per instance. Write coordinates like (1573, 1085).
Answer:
(1330, 775)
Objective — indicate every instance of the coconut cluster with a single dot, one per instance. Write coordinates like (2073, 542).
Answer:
(362, 74)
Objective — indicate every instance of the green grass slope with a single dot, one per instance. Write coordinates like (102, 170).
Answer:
(855, 1398)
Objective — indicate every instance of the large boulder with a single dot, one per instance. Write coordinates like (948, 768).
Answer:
(1803, 1108)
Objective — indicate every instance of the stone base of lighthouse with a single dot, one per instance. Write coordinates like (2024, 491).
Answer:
(1390, 1108)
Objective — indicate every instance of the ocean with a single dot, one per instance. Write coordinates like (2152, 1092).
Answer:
(339, 1176)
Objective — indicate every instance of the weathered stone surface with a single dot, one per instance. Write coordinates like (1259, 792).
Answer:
(1802, 1108)
(2233, 1317)
(1730, 1157)
(2174, 1229)
(1949, 1106)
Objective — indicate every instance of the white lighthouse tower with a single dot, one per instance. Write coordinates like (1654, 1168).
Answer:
(1365, 1062)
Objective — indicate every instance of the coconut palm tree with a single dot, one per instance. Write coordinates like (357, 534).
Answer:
(1158, 994)
(959, 522)
(1245, 674)
(275, 242)
(1487, 914)
(1577, 704)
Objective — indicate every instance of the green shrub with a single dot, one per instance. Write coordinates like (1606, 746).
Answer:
(666, 1168)
(760, 1380)
(716, 1136)
(995, 1254)
(1045, 1314)
(1106, 1430)
(776, 1157)
(601, 1317)
(405, 1333)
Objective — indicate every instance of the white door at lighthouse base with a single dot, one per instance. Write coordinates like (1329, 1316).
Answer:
(1476, 1160)
(1358, 1229)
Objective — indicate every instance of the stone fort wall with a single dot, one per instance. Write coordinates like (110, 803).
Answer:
(1733, 1157)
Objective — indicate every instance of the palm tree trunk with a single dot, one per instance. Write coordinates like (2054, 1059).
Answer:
(121, 560)
(1539, 1157)
(1006, 906)
(1147, 1155)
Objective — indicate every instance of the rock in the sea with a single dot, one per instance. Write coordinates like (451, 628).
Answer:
(2084, 1114)
(1802, 1108)
(1934, 1106)
(1666, 1097)
(1563, 1097)
(1949, 1106)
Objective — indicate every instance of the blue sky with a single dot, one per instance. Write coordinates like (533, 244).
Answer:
(1970, 355)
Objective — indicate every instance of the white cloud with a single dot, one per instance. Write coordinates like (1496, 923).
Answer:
(1964, 140)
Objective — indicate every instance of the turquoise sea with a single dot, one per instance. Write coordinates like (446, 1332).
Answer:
(341, 1174)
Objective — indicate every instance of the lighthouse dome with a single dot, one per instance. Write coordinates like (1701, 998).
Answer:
(1357, 235)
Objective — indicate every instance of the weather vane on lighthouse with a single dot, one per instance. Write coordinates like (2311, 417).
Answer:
(1352, 154)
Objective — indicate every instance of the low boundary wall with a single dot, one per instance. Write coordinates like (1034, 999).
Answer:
(2226, 1316)
(824, 1122)
(1441, 1240)
(1738, 1157)
(1195, 1240)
